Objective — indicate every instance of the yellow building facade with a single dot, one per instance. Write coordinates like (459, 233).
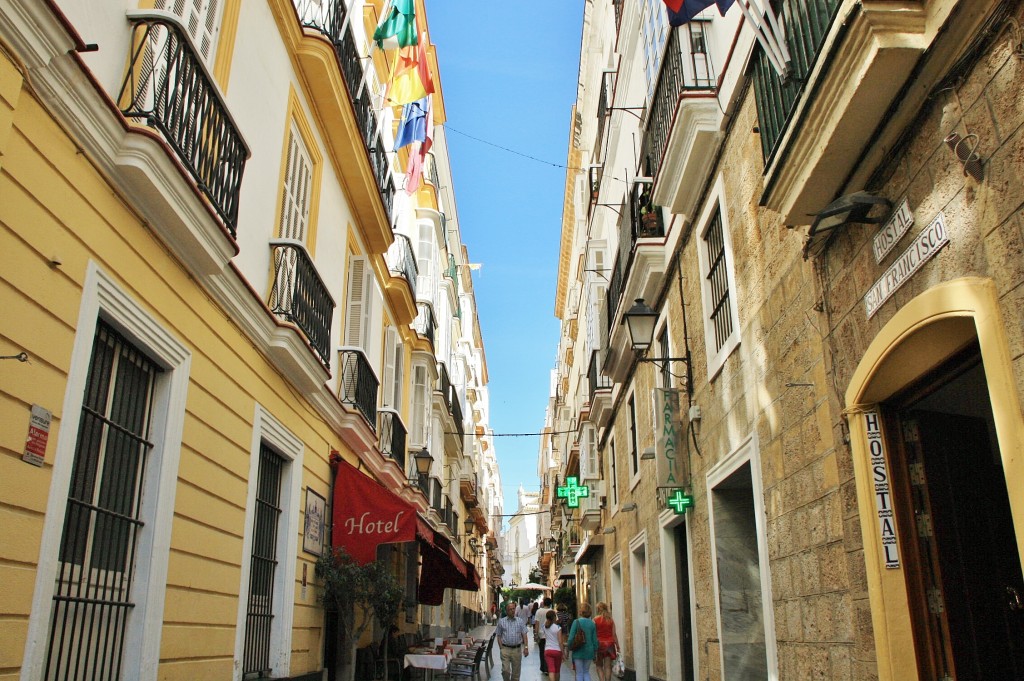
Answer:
(211, 277)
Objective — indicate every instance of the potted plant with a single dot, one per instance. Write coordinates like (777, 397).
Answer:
(650, 220)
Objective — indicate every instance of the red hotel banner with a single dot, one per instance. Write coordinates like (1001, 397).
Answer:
(367, 515)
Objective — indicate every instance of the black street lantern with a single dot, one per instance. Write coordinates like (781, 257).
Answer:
(423, 462)
(640, 320)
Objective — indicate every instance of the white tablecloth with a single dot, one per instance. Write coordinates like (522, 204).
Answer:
(428, 661)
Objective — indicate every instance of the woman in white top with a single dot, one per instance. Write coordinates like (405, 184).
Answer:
(553, 644)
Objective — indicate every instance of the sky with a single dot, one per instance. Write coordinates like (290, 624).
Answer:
(508, 76)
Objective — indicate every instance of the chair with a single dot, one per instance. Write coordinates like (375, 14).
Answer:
(462, 666)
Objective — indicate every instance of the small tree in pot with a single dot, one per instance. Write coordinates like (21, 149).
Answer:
(356, 594)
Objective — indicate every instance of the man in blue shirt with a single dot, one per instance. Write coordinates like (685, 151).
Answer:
(512, 637)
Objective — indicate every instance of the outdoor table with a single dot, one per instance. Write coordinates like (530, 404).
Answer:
(428, 662)
(456, 648)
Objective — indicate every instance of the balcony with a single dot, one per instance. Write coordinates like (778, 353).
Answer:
(334, 72)
(444, 385)
(391, 436)
(455, 405)
(467, 489)
(168, 87)
(401, 287)
(600, 390)
(300, 296)
(436, 496)
(590, 507)
(643, 221)
(424, 323)
(845, 102)
(358, 384)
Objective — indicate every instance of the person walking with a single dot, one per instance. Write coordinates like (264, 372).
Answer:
(607, 642)
(553, 643)
(540, 621)
(584, 654)
(512, 637)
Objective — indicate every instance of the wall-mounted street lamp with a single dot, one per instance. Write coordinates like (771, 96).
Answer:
(423, 461)
(850, 209)
(552, 544)
(640, 321)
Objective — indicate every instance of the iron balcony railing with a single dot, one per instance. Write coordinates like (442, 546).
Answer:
(444, 385)
(806, 23)
(168, 86)
(448, 511)
(359, 384)
(424, 323)
(642, 220)
(436, 496)
(400, 260)
(614, 292)
(597, 380)
(453, 269)
(391, 435)
(456, 408)
(604, 106)
(328, 17)
(423, 483)
(617, 6)
(686, 67)
(300, 296)
(430, 164)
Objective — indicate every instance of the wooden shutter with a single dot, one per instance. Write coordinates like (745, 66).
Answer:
(298, 177)
(399, 363)
(357, 310)
(387, 392)
(202, 20)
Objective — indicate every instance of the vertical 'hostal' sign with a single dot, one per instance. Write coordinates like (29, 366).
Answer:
(883, 497)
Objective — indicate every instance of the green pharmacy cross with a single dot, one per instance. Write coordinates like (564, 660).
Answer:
(572, 491)
(680, 502)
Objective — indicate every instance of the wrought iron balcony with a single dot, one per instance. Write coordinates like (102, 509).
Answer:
(598, 381)
(617, 6)
(806, 23)
(436, 496)
(423, 484)
(167, 85)
(455, 405)
(604, 106)
(391, 435)
(400, 260)
(300, 296)
(359, 384)
(430, 167)
(444, 385)
(328, 17)
(614, 292)
(424, 323)
(448, 511)
(454, 521)
(686, 67)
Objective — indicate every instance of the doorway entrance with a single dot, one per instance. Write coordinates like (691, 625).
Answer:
(963, 569)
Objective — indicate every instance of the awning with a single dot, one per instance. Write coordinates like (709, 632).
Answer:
(442, 567)
(590, 547)
(367, 515)
(568, 571)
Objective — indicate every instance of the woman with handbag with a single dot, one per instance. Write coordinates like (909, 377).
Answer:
(583, 643)
(607, 642)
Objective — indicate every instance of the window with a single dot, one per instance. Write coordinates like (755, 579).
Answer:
(297, 189)
(394, 364)
(201, 19)
(102, 525)
(653, 31)
(102, 571)
(358, 310)
(634, 455)
(589, 469)
(425, 255)
(421, 390)
(721, 323)
(272, 516)
(263, 563)
(612, 473)
(665, 368)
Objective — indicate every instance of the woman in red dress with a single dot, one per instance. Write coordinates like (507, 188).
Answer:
(607, 642)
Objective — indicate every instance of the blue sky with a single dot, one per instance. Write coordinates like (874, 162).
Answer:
(508, 75)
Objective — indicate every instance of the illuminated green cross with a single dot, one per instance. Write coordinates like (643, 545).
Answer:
(680, 502)
(572, 491)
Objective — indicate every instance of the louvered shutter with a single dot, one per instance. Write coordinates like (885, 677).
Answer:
(399, 361)
(419, 406)
(298, 178)
(202, 20)
(425, 260)
(357, 311)
(388, 379)
(588, 452)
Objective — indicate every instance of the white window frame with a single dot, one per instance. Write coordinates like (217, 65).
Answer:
(716, 358)
(634, 452)
(748, 452)
(267, 429)
(670, 581)
(103, 298)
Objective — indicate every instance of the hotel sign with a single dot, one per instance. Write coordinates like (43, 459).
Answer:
(893, 230)
(883, 496)
(924, 247)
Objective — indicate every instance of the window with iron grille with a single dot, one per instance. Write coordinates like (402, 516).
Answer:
(717, 279)
(93, 596)
(259, 615)
(665, 368)
(634, 456)
(612, 473)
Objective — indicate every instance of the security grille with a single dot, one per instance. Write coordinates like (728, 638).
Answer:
(718, 282)
(92, 600)
(260, 611)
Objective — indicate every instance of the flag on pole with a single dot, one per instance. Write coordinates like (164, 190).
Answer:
(414, 173)
(682, 11)
(397, 27)
(413, 126)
